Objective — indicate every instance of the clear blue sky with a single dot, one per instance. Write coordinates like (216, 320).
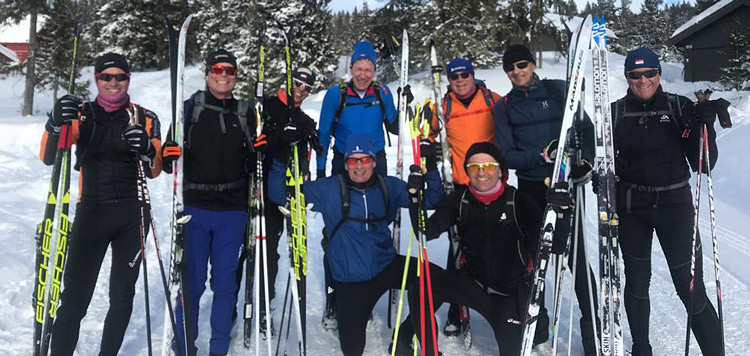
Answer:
(348, 5)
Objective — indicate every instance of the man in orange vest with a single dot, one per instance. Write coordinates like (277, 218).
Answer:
(467, 109)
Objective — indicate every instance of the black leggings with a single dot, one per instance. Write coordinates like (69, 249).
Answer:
(503, 313)
(671, 215)
(354, 303)
(96, 226)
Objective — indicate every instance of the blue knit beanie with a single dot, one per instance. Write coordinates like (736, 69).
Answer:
(359, 143)
(457, 65)
(364, 50)
(642, 58)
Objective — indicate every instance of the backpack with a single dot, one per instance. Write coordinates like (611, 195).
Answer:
(199, 104)
(672, 100)
(344, 91)
(346, 205)
(94, 137)
(463, 208)
(481, 87)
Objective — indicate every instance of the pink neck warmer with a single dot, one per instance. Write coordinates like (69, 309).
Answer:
(112, 103)
(490, 195)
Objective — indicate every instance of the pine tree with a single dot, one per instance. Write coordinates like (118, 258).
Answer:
(56, 49)
(15, 11)
(239, 24)
(737, 71)
(606, 9)
(623, 25)
(522, 22)
(702, 5)
(391, 20)
(136, 30)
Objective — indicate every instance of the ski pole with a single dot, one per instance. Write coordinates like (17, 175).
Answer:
(694, 244)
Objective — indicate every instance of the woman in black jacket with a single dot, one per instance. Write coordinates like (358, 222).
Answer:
(499, 229)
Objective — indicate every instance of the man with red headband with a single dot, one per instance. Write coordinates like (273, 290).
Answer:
(108, 150)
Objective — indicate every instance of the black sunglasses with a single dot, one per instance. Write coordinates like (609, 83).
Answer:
(107, 77)
(520, 65)
(646, 73)
(455, 76)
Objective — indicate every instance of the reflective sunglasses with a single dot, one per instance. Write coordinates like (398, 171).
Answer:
(646, 73)
(105, 77)
(520, 65)
(218, 69)
(455, 76)
(352, 161)
(298, 83)
(488, 167)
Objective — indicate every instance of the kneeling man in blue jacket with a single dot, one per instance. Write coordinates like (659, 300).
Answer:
(357, 208)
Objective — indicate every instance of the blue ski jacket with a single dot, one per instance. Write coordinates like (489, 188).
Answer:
(358, 251)
(360, 115)
(527, 119)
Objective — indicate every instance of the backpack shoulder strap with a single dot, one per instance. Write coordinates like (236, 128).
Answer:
(463, 208)
(379, 98)
(511, 203)
(199, 102)
(243, 107)
(344, 90)
(487, 97)
(386, 195)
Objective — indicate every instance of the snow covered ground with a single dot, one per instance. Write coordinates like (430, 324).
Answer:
(24, 180)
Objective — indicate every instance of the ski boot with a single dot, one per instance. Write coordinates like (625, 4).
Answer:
(330, 323)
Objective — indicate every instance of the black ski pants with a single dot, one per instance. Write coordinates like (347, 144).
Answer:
(96, 226)
(538, 190)
(355, 301)
(502, 312)
(671, 214)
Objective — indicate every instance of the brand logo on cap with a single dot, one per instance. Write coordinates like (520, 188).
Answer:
(221, 56)
(109, 63)
(356, 148)
(638, 62)
(459, 68)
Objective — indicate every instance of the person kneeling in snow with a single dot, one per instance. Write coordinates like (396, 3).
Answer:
(357, 208)
(499, 229)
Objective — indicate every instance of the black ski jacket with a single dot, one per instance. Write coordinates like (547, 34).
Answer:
(213, 157)
(648, 139)
(498, 248)
(276, 116)
(108, 167)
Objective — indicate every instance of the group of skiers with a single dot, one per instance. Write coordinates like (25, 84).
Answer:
(655, 137)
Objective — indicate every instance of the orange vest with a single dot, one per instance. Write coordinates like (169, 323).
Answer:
(466, 126)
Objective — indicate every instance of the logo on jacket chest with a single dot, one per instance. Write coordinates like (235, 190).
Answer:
(545, 105)
(664, 118)
(503, 217)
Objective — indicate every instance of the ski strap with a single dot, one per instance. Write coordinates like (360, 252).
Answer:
(346, 205)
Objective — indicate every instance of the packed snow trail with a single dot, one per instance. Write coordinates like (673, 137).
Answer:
(24, 180)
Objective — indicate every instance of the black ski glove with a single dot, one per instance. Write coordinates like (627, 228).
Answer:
(65, 111)
(722, 109)
(581, 174)
(549, 152)
(406, 92)
(137, 138)
(290, 134)
(705, 112)
(559, 196)
(416, 180)
(427, 148)
(170, 152)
